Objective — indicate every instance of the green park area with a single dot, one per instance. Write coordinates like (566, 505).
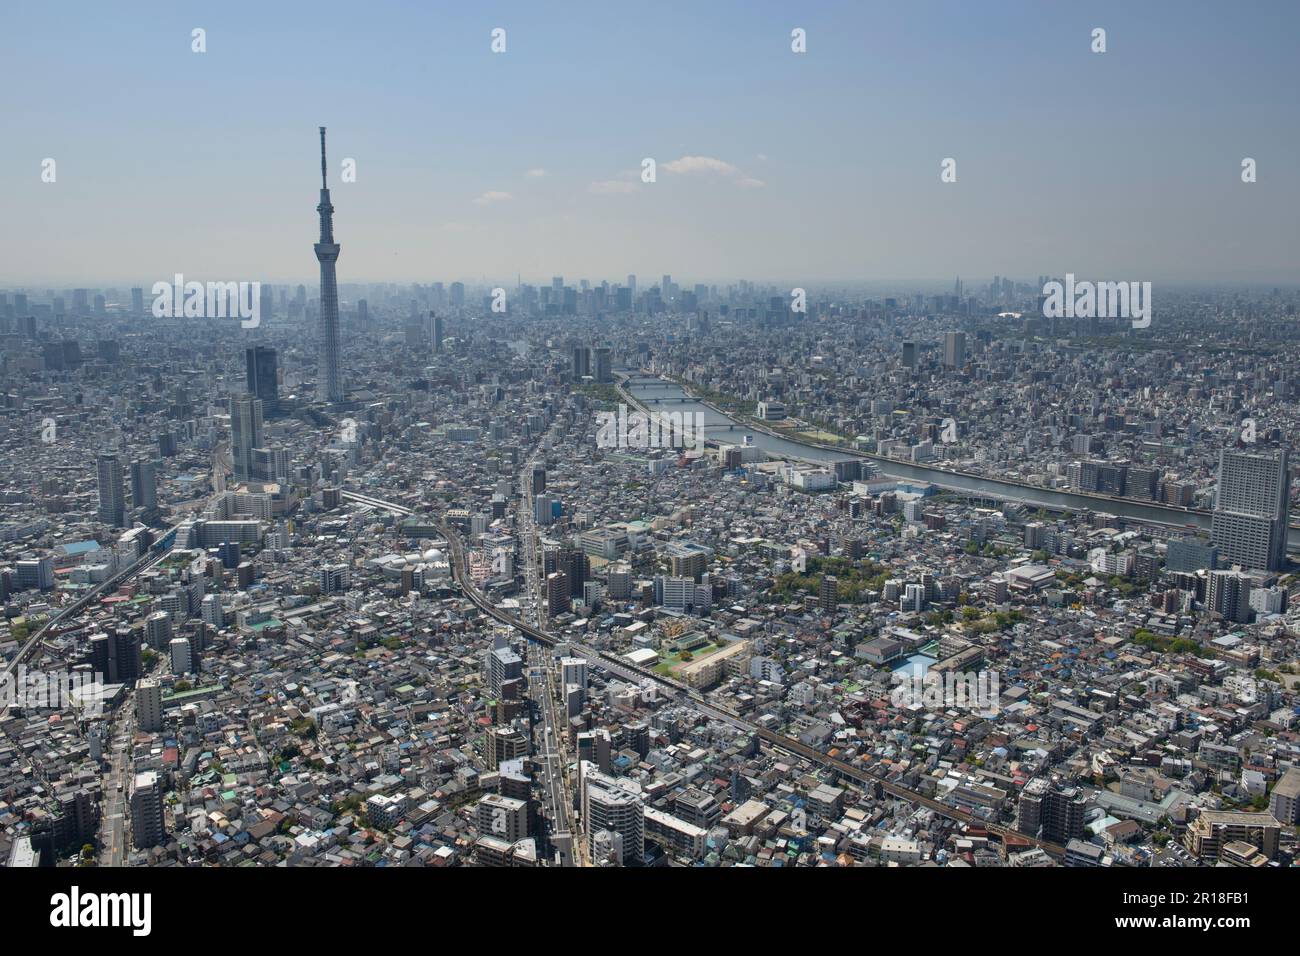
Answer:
(854, 578)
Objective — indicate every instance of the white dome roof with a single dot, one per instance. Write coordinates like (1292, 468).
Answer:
(433, 556)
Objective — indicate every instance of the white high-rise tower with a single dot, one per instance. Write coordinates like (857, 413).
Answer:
(327, 253)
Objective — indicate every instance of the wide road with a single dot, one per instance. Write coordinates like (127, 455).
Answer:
(549, 750)
(114, 830)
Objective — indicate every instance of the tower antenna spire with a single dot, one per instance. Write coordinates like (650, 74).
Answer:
(327, 254)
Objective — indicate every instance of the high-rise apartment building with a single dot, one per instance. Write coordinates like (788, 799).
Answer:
(112, 494)
(954, 349)
(1055, 813)
(1249, 525)
(559, 593)
(829, 594)
(144, 484)
(503, 664)
(147, 827)
(614, 805)
(1228, 593)
(182, 656)
(504, 817)
(245, 433)
(148, 705)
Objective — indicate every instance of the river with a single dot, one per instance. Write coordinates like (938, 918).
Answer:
(720, 428)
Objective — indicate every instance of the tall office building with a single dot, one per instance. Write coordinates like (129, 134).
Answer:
(909, 355)
(436, 322)
(954, 349)
(116, 657)
(581, 361)
(1249, 525)
(137, 301)
(262, 378)
(327, 253)
(144, 484)
(34, 573)
(112, 494)
(603, 370)
(245, 433)
(1191, 554)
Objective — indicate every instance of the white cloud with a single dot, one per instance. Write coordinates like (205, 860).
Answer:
(494, 195)
(628, 181)
(535, 173)
(700, 164)
(711, 166)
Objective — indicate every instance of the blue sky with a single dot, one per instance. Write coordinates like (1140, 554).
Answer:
(813, 167)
